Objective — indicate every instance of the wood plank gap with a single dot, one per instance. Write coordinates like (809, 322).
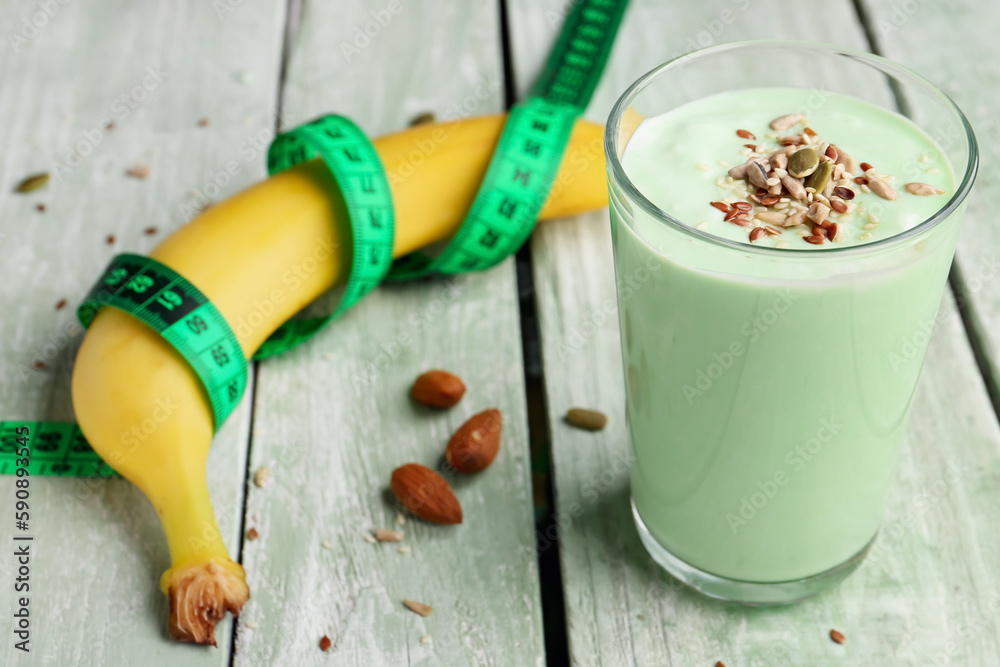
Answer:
(509, 81)
(293, 19)
(539, 431)
(974, 330)
(255, 370)
(975, 333)
(865, 22)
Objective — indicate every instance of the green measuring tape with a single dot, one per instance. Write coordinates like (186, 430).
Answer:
(358, 171)
(532, 144)
(55, 448)
(500, 220)
(178, 311)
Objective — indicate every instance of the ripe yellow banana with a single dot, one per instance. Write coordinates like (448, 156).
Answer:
(142, 407)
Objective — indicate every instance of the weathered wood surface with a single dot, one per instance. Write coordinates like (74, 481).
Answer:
(154, 70)
(954, 45)
(928, 596)
(334, 418)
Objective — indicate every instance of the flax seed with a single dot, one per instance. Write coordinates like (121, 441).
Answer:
(745, 134)
(846, 194)
(721, 206)
(756, 233)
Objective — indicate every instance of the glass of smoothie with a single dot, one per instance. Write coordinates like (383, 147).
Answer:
(795, 208)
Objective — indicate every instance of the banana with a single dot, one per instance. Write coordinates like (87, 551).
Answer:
(237, 252)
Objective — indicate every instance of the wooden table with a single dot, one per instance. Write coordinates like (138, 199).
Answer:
(332, 418)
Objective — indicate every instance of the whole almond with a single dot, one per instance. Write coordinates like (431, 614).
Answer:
(475, 444)
(426, 494)
(438, 389)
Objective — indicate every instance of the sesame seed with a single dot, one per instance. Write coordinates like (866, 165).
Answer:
(702, 167)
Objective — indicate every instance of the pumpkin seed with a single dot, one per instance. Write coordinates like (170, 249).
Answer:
(590, 420)
(757, 173)
(32, 183)
(425, 117)
(803, 162)
(819, 178)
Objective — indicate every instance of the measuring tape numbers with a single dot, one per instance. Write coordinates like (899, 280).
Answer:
(359, 173)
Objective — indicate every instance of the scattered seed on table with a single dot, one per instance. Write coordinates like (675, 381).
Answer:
(837, 636)
(400, 519)
(590, 420)
(60, 304)
(252, 534)
(32, 183)
(261, 476)
(40, 365)
(110, 126)
(384, 535)
(140, 171)
(40, 206)
(421, 119)
(111, 239)
(149, 231)
(326, 545)
(370, 539)
(418, 607)
(252, 625)
(325, 643)
(425, 639)
(403, 549)
(203, 122)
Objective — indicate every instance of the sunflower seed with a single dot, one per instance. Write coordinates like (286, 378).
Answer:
(418, 607)
(772, 217)
(782, 123)
(881, 188)
(923, 189)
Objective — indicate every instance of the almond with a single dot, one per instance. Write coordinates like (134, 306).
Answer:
(439, 389)
(426, 494)
(475, 444)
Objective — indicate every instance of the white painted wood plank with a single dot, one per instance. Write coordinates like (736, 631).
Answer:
(929, 581)
(334, 418)
(954, 45)
(154, 70)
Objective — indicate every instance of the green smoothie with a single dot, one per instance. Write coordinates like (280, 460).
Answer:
(768, 390)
